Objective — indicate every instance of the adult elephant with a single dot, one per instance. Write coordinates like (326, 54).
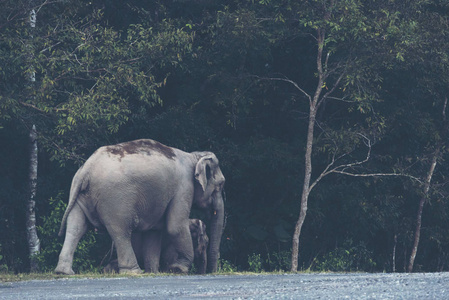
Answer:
(144, 186)
(168, 254)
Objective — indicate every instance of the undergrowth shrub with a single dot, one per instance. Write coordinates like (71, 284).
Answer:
(280, 260)
(3, 266)
(225, 266)
(255, 263)
(347, 258)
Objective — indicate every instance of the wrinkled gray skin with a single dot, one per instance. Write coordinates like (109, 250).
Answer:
(200, 242)
(168, 253)
(144, 186)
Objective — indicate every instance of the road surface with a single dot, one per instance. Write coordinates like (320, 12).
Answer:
(283, 286)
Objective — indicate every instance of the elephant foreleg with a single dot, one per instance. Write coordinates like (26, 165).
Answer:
(76, 228)
(201, 262)
(182, 243)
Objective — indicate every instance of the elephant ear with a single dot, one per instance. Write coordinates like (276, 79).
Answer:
(201, 173)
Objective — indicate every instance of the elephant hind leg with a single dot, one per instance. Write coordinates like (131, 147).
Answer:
(111, 267)
(127, 261)
(151, 246)
(76, 228)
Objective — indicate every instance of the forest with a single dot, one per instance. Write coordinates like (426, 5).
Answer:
(329, 118)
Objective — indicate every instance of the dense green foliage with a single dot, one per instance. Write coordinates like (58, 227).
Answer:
(233, 77)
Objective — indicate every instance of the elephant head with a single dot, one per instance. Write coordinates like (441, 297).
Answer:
(209, 197)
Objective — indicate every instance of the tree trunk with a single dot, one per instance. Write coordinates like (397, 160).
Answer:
(393, 256)
(313, 107)
(305, 190)
(420, 210)
(33, 239)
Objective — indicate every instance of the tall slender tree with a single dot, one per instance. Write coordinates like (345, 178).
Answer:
(33, 239)
(346, 35)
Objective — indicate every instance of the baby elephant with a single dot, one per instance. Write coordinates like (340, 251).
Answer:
(168, 253)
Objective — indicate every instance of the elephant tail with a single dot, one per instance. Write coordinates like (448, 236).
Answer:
(79, 183)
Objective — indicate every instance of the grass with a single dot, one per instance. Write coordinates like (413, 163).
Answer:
(10, 277)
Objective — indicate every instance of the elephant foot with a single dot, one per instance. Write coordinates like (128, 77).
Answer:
(131, 271)
(64, 270)
(178, 269)
(111, 267)
(151, 271)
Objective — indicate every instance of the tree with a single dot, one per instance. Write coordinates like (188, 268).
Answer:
(346, 41)
(90, 77)
(435, 63)
(32, 237)
(425, 89)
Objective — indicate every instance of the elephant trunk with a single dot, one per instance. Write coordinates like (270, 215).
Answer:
(216, 230)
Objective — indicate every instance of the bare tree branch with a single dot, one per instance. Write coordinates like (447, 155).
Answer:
(377, 175)
(341, 99)
(38, 109)
(342, 169)
(334, 87)
(286, 80)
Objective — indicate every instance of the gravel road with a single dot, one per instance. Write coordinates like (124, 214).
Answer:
(288, 286)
